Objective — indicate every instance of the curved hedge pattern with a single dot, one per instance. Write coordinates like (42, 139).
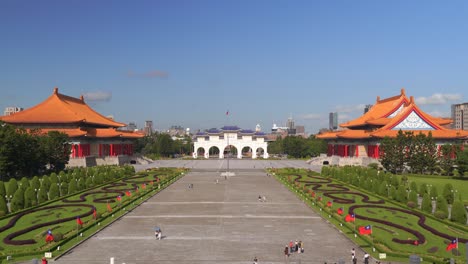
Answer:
(111, 189)
(331, 190)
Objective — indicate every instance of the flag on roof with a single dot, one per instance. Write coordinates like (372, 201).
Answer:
(365, 230)
(350, 218)
(452, 245)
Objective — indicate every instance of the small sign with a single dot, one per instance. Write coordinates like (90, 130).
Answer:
(382, 255)
(48, 254)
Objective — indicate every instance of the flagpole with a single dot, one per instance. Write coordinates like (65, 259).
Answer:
(229, 147)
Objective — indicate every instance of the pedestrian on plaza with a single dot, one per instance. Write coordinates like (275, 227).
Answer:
(291, 246)
(353, 252)
(156, 233)
(159, 234)
(366, 258)
(263, 198)
(44, 261)
(296, 246)
(354, 260)
(286, 251)
(301, 246)
(255, 260)
(259, 198)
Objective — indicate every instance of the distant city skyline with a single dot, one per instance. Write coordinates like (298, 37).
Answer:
(188, 62)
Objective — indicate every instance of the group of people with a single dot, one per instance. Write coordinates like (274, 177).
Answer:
(354, 259)
(293, 247)
(262, 198)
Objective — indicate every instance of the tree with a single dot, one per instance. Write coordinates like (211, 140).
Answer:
(448, 193)
(401, 194)
(433, 192)
(54, 191)
(17, 203)
(458, 213)
(413, 197)
(12, 187)
(2, 189)
(56, 149)
(29, 198)
(72, 187)
(426, 204)
(441, 205)
(422, 153)
(42, 195)
(447, 159)
(462, 161)
(3, 205)
(393, 152)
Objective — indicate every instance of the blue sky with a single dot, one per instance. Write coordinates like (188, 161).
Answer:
(188, 62)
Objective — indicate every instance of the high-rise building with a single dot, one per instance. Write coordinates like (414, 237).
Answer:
(367, 107)
(11, 110)
(333, 121)
(291, 126)
(148, 129)
(460, 116)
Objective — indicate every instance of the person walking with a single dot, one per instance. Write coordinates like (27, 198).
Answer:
(286, 251)
(44, 261)
(255, 260)
(159, 234)
(366, 258)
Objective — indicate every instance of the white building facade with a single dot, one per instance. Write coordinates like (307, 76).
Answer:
(230, 140)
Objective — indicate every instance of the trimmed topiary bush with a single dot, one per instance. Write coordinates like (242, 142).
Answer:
(458, 213)
(440, 214)
(2, 189)
(58, 236)
(448, 193)
(411, 204)
(12, 187)
(441, 205)
(54, 191)
(426, 205)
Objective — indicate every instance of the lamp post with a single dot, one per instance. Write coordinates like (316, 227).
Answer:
(8, 198)
(60, 188)
(388, 189)
(37, 194)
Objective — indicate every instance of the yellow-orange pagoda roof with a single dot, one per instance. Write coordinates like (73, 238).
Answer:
(60, 109)
(387, 115)
(93, 132)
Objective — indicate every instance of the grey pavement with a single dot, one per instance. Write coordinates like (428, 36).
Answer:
(218, 222)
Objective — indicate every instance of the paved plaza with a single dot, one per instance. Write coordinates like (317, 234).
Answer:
(218, 222)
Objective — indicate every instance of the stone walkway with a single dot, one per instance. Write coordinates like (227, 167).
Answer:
(217, 223)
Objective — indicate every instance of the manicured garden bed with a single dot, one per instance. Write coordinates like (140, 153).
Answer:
(397, 230)
(23, 234)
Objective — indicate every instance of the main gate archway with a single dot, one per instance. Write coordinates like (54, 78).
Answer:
(242, 143)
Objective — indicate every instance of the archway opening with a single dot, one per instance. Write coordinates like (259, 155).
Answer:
(230, 151)
(213, 152)
(246, 152)
(260, 153)
(200, 152)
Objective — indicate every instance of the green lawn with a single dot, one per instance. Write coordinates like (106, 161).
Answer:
(459, 185)
(389, 220)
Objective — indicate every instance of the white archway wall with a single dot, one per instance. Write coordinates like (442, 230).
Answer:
(239, 144)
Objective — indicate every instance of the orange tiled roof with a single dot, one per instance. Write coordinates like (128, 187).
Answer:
(328, 135)
(439, 134)
(60, 109)
(381, 109)
(93, 132)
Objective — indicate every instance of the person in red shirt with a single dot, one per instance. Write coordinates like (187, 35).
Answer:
(44, 261)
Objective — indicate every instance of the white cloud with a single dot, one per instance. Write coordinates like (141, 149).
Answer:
(438, 98)
(98, 96)
(350, 108)
(311, 116)
(437, 113)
